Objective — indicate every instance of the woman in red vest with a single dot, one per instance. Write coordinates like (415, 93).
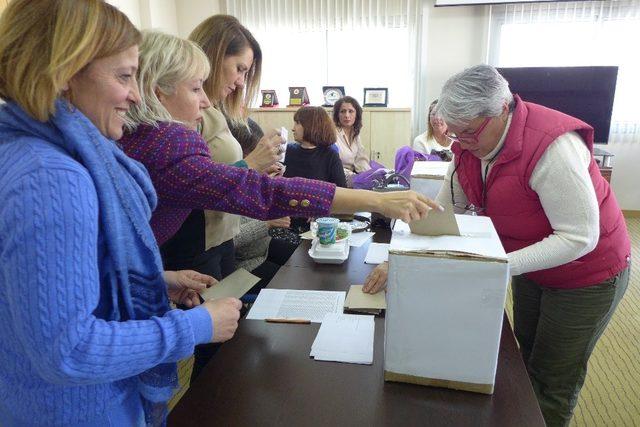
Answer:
(531, 170)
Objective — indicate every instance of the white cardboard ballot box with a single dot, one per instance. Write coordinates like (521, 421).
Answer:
(445, 303)
(428, 177)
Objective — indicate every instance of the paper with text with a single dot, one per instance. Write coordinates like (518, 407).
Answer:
(345, 338)
(298, 304)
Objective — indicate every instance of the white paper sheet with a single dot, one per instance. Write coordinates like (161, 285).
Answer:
(291, 303)
(377, 253)
(358, 239)
(345, 338)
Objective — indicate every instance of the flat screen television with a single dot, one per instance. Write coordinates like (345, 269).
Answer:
(583, 92)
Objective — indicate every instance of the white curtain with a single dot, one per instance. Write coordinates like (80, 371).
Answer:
(579, 33)
(313, 15)
(318, 24)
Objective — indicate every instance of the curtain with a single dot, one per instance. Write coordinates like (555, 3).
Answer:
(314, 15)
(335, 16)
(581, 33)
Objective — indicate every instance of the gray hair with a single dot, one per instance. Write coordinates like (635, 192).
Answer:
(165, 61)
(479, 91)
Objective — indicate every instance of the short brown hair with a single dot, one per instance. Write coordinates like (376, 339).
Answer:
(357, 125)
(318, 128)
(44, 43)
(220, 36)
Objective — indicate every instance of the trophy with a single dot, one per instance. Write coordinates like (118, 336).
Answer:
(269, 98)
(298, 96)
(332, 94)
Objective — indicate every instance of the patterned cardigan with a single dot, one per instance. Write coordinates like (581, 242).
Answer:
(186, 178)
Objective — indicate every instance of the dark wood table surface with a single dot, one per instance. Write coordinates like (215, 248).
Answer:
(265, 377)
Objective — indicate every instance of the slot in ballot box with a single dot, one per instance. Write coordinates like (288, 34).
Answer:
(445, 303)
(427, 177)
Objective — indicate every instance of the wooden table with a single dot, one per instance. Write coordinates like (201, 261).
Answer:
(265, 377)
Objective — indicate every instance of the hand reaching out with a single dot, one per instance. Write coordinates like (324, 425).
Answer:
(376, 281)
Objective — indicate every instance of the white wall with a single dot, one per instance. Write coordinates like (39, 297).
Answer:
(190, 13)
(151, 14)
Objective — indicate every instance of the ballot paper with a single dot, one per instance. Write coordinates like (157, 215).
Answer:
(296, 304)
(358, 239)
(234, 285)
(345, 338)
(377, 253)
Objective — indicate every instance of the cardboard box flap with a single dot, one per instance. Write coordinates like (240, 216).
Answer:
(478, 239)
(432, 170)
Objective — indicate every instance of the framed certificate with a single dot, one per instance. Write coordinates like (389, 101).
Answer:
(298, 96)
(375, 97)
(332, 94)
(269, 98)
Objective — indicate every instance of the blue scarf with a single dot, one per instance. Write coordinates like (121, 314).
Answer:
(132, 284)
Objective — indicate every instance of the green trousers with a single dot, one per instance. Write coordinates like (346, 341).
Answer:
(557, 331)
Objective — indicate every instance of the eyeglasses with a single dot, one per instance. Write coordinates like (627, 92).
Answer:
(469, 137)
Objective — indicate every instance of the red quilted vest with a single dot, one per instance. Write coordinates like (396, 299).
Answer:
(515, 208)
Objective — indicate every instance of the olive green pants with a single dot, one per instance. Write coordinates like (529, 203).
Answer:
(557, 330)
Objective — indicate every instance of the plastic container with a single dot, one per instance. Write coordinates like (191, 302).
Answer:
(335, 253)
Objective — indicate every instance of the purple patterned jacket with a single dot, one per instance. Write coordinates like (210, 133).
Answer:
(186, 178)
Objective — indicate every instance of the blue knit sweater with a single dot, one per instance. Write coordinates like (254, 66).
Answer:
(61, 363)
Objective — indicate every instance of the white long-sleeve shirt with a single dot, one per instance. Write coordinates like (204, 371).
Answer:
(561, 180)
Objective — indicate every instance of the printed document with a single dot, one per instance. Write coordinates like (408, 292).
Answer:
(297, 304)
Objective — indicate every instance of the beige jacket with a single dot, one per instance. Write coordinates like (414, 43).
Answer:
(353, 156)
(224, 148)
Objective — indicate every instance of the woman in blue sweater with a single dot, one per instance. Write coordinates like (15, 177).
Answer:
(87, 336)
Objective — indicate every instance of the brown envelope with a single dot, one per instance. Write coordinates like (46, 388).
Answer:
(436, 223)
(234, 285)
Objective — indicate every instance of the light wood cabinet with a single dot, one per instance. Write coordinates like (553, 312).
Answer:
(384, 130)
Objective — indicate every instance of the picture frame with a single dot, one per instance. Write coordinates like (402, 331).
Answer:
(269, 98)
(375, 97)
(298, 96)
(332, 94)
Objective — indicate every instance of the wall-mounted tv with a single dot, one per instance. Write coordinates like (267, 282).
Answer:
(583, 92)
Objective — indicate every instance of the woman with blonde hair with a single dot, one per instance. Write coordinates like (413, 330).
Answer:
(171, 75)
(88, 336)
(435, 140)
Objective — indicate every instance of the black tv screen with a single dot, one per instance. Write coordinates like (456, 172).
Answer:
(583, 92)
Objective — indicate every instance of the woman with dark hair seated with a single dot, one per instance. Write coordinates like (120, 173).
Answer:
(311, 156)
(347, 116)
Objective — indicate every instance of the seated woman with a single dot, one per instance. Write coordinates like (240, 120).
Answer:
(311, 156)
(347, 116)
(434, 141)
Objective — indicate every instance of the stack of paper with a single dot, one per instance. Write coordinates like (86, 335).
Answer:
(361, 302)
(345, 338)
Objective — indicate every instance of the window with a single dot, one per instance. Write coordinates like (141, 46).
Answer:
(353, 58)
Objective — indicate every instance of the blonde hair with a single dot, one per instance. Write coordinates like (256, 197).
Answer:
(44, 43)
(221, 36)
(165, 61)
